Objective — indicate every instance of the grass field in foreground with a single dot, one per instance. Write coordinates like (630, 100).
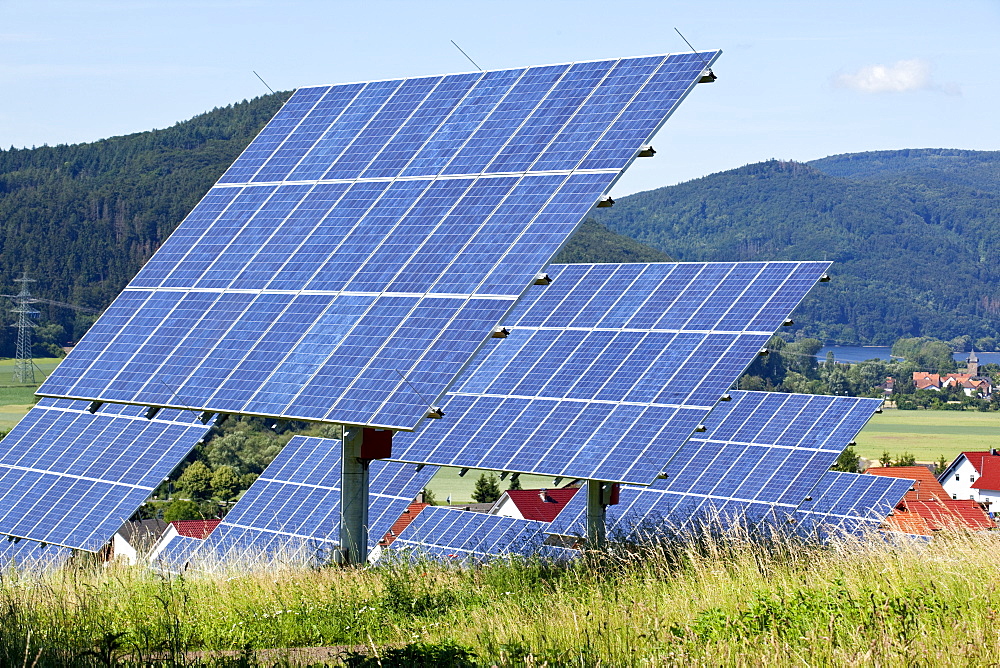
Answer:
(928, 434)
(726, 601)
(17, 399)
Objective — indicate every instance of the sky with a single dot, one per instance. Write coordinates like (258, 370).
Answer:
(797, 80)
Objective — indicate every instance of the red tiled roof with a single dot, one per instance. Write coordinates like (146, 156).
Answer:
(989, 470)
(951, 514)
(195, 528)
(908, 522)
(976, 459)
(404, 520)
(541, 504)
(925, 488)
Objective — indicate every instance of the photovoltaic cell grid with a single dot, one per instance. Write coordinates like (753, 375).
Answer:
(175, 555)
(29, 555)
(294, 506)
(850, 503)
(72, 478)
(463, 536)
(372, 232)
(760, 457)
(608, 370)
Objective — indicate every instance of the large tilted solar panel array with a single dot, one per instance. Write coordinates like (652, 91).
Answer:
(369, 239)
(72, 478)
(293, 508)
(850, 503)
(608, 370)
(461, 536)
(760, 457)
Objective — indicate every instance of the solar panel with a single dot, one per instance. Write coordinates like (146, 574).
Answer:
(293, 508)
(174, 555)
(364, 245)
(760, 457)
(608, 370)
(72, 478)
(462, 536)
(850, 503)
(29, 555)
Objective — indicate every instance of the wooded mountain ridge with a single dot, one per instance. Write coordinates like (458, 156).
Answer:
(914, 236)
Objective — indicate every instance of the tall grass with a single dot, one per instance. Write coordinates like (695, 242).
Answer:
(728, 600)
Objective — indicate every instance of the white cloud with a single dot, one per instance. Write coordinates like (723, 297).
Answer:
(900, 77)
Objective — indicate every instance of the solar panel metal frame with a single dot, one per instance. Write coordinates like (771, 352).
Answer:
(57, 463)
(95, 371)
(293, 508)
(641, 431)
(797, 437)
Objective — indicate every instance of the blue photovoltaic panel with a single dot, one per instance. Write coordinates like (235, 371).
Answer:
(293, 508)
(31, 556)
(759, 458)
(175, 555)
(850, 503)
(608, 370)
(72, 478)
(372, 232)
(462, 536)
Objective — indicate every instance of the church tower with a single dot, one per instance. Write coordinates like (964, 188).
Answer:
(972, 367)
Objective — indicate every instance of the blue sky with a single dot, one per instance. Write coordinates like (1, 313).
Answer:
(797, 80)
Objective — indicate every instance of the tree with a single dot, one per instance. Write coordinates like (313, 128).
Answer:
(196, 480)
(181, 509)
(848, 461)
(429, 496)
(487, 489)
(885, 459)
(226, 482)
(515, 482)
(906, 459)
(941, 466)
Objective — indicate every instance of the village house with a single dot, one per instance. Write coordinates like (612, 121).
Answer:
(970, 381)
(976, 476)
(541, 505)
(928, 508)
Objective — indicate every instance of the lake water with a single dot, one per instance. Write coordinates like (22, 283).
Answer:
(854, 354)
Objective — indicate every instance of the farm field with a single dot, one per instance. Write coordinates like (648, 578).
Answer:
(928, 435)
(722, 601)
(16, 400)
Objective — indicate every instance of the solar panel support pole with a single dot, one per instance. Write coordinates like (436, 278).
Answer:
(354, 498)
(597, 534)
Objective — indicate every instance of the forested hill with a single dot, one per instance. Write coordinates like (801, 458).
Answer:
(914, 234)
(83, 219)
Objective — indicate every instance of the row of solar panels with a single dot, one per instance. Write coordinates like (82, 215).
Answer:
(763, 460)
(349, 266)
(604, 375)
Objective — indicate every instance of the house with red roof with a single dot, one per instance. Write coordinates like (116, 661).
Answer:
(928, 508)
(962, 478)
(533, 504)
(404, 520)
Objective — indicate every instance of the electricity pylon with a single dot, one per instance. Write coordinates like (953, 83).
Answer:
(24, 364)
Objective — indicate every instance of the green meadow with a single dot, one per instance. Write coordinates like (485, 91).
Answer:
(15, 398)
(928, 435)
(697, 601)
